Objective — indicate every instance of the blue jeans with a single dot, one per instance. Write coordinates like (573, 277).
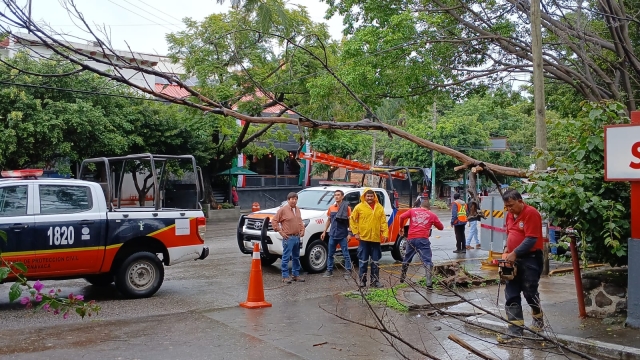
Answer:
(368, 249)
(290, 250)
(473, 233)
(422, 246)
(345, 252)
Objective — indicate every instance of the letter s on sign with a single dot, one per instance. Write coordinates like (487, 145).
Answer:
(635, 151)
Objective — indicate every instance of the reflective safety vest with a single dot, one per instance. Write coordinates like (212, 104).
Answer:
(462, 212)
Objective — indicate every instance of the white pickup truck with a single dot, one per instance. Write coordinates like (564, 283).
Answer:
(67, 228)
(314, 203)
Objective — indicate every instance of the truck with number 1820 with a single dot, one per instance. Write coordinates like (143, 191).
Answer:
(84, 228)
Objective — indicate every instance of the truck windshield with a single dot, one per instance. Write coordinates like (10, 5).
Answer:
(315, 199)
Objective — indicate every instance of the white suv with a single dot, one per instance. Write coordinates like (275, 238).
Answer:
(313, 203)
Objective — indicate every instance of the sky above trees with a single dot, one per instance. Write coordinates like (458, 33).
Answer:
(144, 24)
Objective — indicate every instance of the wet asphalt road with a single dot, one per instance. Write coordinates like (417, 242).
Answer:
(195, 315)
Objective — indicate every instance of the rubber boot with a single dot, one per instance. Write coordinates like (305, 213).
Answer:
(375, 275)
(537, 324)
(514, 330)
(428, 278)
(362, 274)
(403, 274)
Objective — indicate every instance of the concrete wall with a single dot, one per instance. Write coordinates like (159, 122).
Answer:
(248, 196)
(605, 292)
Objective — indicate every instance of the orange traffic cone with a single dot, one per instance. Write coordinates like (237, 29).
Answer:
(255, 294)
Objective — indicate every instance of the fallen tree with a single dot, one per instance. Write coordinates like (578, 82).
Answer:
(14, 17)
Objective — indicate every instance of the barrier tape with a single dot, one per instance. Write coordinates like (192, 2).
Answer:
(504, 230)
(494, 228)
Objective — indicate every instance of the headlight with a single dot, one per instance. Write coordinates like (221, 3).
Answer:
(306, 222)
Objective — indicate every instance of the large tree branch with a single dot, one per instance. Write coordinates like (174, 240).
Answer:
(238, 145)
(84, 61)
(255, 136)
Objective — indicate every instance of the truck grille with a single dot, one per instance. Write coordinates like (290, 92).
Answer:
(256, 224)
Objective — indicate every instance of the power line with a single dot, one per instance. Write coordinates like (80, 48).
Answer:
(173, 17)
(138, 7)
(123, 25)
(86, 92)
(133, 12)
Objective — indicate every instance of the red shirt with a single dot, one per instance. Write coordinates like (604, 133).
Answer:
(527, 224)
(421, 222)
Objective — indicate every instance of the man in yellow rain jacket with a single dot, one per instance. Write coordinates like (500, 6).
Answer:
(369, 225)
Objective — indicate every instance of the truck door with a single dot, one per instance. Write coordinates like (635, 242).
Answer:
(353, 199)
(17, 223)
(389, 212)
(70, 227)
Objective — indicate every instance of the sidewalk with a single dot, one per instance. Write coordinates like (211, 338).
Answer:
(598, 337)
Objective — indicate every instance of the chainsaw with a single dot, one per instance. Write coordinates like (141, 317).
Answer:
(507, 269)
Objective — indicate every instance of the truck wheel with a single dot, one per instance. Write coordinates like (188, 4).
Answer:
(315, 258)
(399, 249)
(140, 275)
(100, 280)
(268, 260)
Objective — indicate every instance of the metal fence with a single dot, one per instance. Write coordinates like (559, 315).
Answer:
(270, 180)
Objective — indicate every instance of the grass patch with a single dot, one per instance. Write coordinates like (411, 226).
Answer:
(386, 297)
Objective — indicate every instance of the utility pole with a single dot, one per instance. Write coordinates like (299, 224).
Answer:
(538, 82)
(538, 99)
(373, 159)
(433, 157)
(29, 12)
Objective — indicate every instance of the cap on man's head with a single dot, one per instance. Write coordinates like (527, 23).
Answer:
(456, 196)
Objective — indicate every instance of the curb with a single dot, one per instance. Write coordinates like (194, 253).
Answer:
(593, 347)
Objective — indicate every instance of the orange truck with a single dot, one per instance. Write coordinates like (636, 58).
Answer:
(68, 228)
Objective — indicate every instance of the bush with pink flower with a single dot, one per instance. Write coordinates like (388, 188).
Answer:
(50, 301)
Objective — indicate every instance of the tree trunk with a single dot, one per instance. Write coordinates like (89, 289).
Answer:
(330, 174)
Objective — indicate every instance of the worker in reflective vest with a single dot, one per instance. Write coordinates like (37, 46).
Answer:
(459, 222)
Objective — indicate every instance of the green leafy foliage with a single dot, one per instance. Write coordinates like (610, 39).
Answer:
(575, 195)
(345, 144)
(424, 49)
(14, 292)
(439, 204)
(54, 128)
(20, 267)
(467, 127)
(4, 272)
(265, 66)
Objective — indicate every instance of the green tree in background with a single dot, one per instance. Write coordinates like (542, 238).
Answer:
(575, 195)
(467, 126)
(59, 128)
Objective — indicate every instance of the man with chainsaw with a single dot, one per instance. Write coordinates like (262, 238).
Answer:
(524, 261)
